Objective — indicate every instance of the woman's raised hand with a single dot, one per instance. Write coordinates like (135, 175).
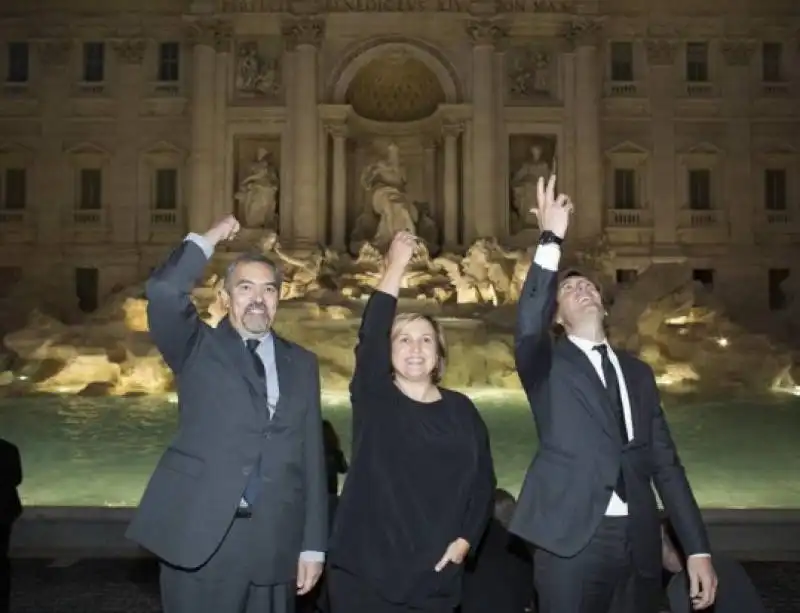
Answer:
(401, 250)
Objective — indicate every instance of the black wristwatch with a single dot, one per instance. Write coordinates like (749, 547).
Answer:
(550, 238)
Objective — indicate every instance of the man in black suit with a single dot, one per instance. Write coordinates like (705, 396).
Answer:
(10, 510)
(237, 507)
(587, 503)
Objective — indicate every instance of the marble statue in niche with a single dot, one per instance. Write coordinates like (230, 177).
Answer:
(529, 74)
(257, 196)
(533, 157)
(256, 75)
(384, 180)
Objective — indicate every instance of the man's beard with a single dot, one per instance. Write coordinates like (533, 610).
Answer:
(256, 323)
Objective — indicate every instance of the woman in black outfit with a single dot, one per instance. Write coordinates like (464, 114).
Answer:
(419, 490)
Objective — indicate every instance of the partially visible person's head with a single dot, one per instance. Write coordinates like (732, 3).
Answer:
(504, 506)
(580, 302)
(329, 437)
(251, 292)
(671, 557)
(419, 349)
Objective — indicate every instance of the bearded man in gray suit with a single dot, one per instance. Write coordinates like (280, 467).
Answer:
(237, 507)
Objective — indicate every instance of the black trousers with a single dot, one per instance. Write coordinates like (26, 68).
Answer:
(5, 568)
(600, 579)
(225, 583)
(351, 594)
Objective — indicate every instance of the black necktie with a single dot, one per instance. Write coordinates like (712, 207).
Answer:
(254, 484)
(612, 385)
(252, 346)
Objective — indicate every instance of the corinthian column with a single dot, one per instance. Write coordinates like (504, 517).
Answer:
(584, 36)
(206, 37)
(303, 36)
(339, 187)
(450, 216)
(484, 34)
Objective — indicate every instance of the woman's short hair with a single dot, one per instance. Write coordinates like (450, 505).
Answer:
(438, 331)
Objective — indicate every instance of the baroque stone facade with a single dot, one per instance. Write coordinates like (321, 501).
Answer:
(332, 122)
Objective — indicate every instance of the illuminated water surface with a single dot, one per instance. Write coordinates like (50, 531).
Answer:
(100, 451)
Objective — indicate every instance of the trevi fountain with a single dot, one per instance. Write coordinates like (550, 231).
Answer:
(662, 316)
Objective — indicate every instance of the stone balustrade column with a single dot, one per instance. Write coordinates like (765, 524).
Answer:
(129, 221)
(739, 195)
(485, 35)
(339, 187)
(304, 36)
(201, 207)
(584, 35)
(54, 186)
(661, 87)
(450, 216)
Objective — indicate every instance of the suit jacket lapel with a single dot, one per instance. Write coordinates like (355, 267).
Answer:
(628, 368)
(601, 408)
(285, 370)
(237, 353)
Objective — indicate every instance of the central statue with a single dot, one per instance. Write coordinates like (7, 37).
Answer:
(385, 181)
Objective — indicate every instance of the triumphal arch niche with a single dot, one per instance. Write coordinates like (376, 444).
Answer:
(396, 156)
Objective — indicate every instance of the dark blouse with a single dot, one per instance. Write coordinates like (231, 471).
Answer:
(420, 476)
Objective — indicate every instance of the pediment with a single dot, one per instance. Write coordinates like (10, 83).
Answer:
(12, 148)
(163, 147)
(87, 148)
(627, 148)
(780, 151)
(702, 148)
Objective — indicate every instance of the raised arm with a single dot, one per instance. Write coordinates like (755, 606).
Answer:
(537, 303)
(374, 349)
(172, 318)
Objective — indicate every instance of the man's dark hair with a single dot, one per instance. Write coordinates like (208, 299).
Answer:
(254, 258)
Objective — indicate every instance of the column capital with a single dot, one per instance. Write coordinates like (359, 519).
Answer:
(339, 131)
(55, 52)
(452, 130)
(584, 32)
(129, 51)
(214, 33)
(738, 52)
(661, 52)
(486, 32)
(303, 31)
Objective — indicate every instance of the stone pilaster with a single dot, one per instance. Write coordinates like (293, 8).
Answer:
(662, 87)
(339, 187)
(485, 35)
(450, 216)
(303, 37)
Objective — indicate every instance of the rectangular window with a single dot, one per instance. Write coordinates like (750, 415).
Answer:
(94, 56)
(697, 62)
(772, 62)
(775, 189)
(704, 276)
(700, 189)
(91, 190)
(18, 63)
(168, 62)
(166, 196)
(624, 188)
(777, 295)
(16, 189)
(622, 61)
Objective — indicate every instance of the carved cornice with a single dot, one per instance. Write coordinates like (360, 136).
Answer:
(661, 52)
(304, 31)
(214, 33)
(738, 52)
(584, 32)
(338, 130)
(130, 51)
(394, 6)
(55, 52)
(486, 31)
